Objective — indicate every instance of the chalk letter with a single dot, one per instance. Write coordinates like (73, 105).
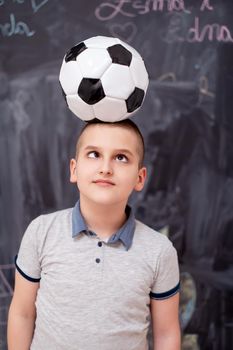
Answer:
(193, 33)
(22, 28)
(205, 5)
(116, 9)
(224, 35)
(145, 7)
(12, 25)
(177, 5)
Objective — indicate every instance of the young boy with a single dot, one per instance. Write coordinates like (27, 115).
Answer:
(88, 277)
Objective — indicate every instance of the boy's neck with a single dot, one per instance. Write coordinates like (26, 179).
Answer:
(104, 220)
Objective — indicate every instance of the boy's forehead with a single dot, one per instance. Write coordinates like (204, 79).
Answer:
(112, 136)
(100, 133)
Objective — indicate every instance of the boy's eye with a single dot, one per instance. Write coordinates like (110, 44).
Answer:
(93, 154)
(122, 158)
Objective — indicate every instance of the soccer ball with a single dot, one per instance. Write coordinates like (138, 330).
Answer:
(103, 78)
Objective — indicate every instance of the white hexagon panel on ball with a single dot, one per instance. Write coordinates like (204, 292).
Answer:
(93, 62)
(117, 81)
(102, 42)
(110, 109)
(80, 108)
(139, 73)
(70, 77)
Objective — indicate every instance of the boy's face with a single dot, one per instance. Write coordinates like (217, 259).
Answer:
(106, 168)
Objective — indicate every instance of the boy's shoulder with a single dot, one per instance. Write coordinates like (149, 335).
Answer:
(57, 214)
(60, 215)
(150, 237)
(45, 222)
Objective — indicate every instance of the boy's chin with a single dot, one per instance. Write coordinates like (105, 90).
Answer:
(103, 201)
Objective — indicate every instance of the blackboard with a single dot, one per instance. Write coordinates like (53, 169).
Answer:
(186, 120)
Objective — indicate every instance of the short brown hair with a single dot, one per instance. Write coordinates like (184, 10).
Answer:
(127, 124)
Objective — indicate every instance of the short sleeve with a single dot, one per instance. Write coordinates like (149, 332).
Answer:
(166, 282)
(27, 261)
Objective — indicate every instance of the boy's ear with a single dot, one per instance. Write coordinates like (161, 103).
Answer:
(73, 170)
(141, 179)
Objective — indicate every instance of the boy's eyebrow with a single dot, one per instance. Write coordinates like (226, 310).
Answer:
(117, 150)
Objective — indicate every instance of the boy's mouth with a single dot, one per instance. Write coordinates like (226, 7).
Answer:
(103, 182)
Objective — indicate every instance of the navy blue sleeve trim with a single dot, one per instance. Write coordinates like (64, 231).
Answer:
(24, 275)
(167, 294)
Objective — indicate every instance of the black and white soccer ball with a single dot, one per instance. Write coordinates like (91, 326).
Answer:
(103, 78)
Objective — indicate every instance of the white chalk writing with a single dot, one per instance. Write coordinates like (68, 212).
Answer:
(176, 30)
(206, 5)
(37, 4)
(209, 32)
(14, 27)
(107, 11)
(18, 27)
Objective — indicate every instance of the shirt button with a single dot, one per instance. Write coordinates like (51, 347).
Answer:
(100, 244)
(97, 260)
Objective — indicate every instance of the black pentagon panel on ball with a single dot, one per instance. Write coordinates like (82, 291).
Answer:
(134, 101)
(72, 54)
(91, 90)
(120, 55)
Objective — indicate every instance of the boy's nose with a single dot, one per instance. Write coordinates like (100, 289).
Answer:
(106, 167)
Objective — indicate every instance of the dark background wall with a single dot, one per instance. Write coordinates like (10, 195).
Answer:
(186, 120)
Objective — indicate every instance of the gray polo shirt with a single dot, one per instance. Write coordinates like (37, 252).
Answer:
(95, 295)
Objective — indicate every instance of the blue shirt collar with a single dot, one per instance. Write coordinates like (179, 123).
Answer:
(124, 234)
